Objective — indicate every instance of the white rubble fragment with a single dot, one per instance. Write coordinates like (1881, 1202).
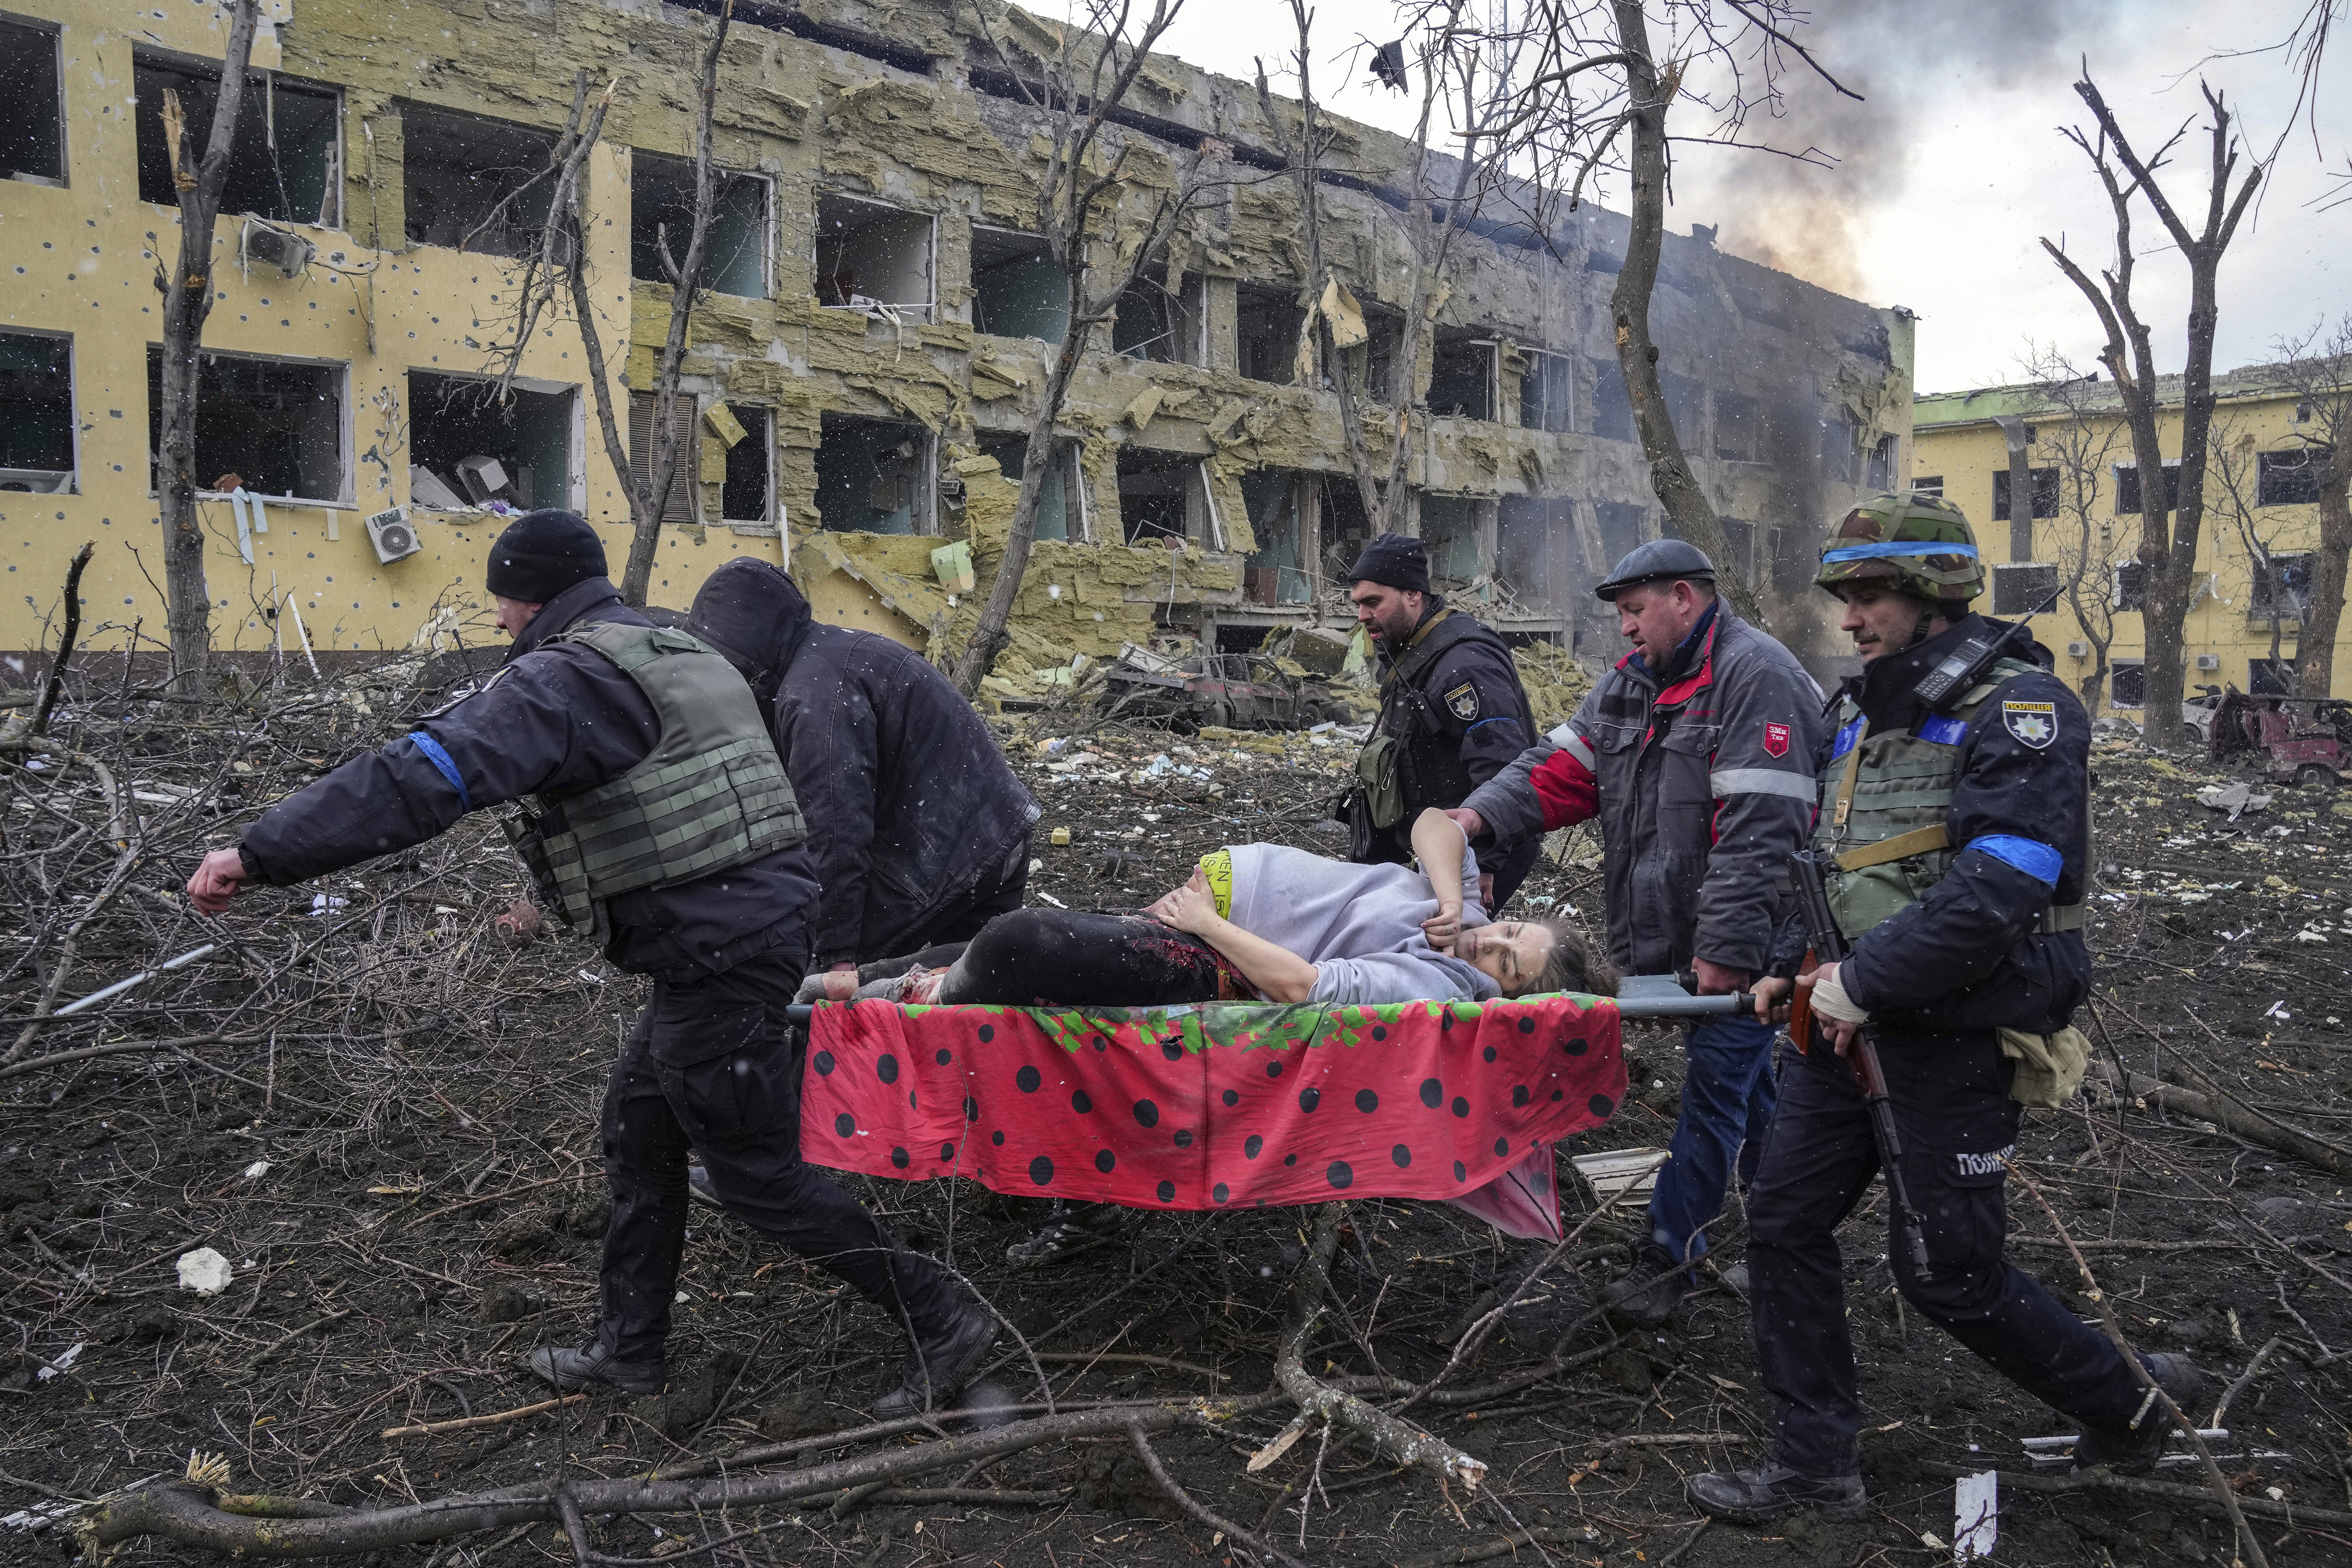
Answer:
(205, 1271)
(1976, 1515)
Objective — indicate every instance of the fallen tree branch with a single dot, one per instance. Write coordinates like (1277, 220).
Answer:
(1656, 1440)
(1497, 1546)
(1185, 1501)
(465, 1423)
(2141, 1486)
(2208, 1104)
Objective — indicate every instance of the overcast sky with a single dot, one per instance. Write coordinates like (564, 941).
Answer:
(1952, 168)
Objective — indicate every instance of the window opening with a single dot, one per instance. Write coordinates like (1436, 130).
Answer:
(1450, 530)
(1276, 573)
(1928, 485)
(661, 210)
(2045, 493)
(1739, 538)
(32, 106)
(276, 424)
(2126, 489)
(748, 494)
(1533, 536)
(1017, 288)
(467, 446)
(2287, 479)
(1623, 525)
(1686, 406)
(1161, 496)
(1462, 374)
(1613, 410)
(1544, 391)
(1383, 337)
(2024, 588)
(1055, 516)
(873, 475)
(2131, 585)
(873, 257)
(1878, 467)
(1795, 558)
(1738, 423)
(1346, 527)
(2127, 685)
(1265, 332)
(482, 184)
(2270, 677)
(1837, 449)
(285, 161)
(37, 423)
(2283, 590)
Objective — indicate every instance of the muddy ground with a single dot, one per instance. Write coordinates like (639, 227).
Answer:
(383, 1118)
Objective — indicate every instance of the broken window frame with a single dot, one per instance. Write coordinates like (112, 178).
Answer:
(1613, 417)
(925, 309)
(1017, 245)
(765, 448)
(66, 481)
(54, 37)
(425, 410)
(1203, 527)
(2045, 493)
(1373, 360)
(1484, 521)
(1279, 304)
(2130, 593)
(1489, 351)
(519, 233)
(2270, 677)
(2288, 478)
(724, 181)
(2025, 589)
(1002, 445)
(1686, 402)
(1293, 585)
(1557, 536)
(1927, 484)
(2128, 684)
(2283, 590)
(2126, 486)
(211, 465)
(922, 508)
(1878, 465)
(1737, 415)
(1549, 372)
(1792, 567)
(150, 147)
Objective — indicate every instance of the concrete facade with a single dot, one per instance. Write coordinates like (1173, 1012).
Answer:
(875, 332)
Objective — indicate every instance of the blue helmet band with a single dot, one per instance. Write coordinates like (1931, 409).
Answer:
(1880, 552)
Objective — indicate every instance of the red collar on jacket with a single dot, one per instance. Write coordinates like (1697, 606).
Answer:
(1698, 681)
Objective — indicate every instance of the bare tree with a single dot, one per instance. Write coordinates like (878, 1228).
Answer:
(2167, 540)
(555, 273)
(188, 295)
(1086, 181)
(2079, 435)
(2233, 483)
(2318, 366)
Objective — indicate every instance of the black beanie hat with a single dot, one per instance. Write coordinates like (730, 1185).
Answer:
(541, 554)
(1396, 561)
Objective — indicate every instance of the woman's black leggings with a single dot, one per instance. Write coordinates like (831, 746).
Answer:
(1066, 958)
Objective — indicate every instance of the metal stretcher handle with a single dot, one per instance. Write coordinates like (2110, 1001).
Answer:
(1681, 1004)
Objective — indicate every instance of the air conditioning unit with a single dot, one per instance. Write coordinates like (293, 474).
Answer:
(2209, 660)
(288, 253)
(392, 535)
(2078, 650)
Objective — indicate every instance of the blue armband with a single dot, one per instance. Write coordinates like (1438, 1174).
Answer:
(2034, 858)
(439, 757)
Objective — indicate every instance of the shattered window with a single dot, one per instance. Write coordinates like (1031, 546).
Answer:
(473, 183)
(1462, 374)
(274, 426)
(1017, 288)
(2127, 686)
(748, 493)
(2288, 478)
(1450, 530)
(1686, 406)
(1383, 337)
(1544, 391)
(2045, 493)
(661, 212)
(1738, 426)
(1796, 556)
(37, 423)
(1061, 501)
(873, 257)
(32, 113)
(2285, 590)
(1927, 484)
(2270, 677)
(1265, 333)
(1613, 410)
(468, 448)
(1741, 538)
(1275, 573)
(873, 475)
(1878, 469)
(1533, 535)
(286, 163)
(2126, 489)
(1161, 496)
(1623, 525)
(2131, 585)
(2024, 588)
(1346, 527)
(1838, 450)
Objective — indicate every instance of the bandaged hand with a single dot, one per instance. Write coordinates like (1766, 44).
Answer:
(1839, 1018)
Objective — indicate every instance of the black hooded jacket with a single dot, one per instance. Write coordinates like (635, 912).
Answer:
(910, 802)
(555, 718)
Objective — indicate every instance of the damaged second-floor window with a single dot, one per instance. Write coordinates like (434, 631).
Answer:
(873, 257)
(661, 215)
(1156, 325)
(2288, 478)
(269, 426)
(32, 106)
(473, 183)
(1018, 289)
(286, 162)
(1461, 373)
(1265, 332)
(1544, 391)
(37, 423)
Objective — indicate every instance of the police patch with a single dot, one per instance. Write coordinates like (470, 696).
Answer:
(1461, 701)
(2033, 723)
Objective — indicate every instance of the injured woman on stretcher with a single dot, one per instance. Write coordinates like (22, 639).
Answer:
(1256, 922)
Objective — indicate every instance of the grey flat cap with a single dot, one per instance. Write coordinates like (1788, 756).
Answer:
(1670, 559)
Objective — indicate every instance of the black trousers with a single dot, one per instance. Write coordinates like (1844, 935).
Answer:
(1035, 958)
(961, 917)
(711, 1065)
(1955, 1119)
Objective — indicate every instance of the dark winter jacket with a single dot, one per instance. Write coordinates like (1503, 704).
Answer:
(557, 719)
(1969, 955)
(910, 802)
(1703, 780)
(1453, 700)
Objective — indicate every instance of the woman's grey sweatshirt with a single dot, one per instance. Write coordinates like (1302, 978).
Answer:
(1359, 926)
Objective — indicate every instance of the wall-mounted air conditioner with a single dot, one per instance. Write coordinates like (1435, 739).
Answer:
(2078, 650)
(2209, 660)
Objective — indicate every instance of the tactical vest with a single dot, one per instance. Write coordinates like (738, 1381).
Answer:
(710, 795)
(1394, 773)
(1883, 803)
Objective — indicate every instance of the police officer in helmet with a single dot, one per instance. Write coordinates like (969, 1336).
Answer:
(1453, 712)
(1954, 806)
(663, 824)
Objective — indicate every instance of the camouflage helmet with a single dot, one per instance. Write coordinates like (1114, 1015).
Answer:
(1914, 543)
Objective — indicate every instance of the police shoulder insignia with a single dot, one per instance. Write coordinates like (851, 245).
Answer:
(2033, 723)
(1461, 701)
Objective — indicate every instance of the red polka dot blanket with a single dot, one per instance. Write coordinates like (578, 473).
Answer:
(1218, 1104)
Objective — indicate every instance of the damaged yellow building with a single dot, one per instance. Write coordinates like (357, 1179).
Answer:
(864, 368)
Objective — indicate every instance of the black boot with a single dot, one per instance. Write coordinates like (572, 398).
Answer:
(938, 1364)
(592, 1366)
(1650, 1291)
(2133, 1450)
(1753, 1496)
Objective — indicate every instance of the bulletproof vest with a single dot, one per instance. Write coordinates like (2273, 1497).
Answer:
(710, 795)
(1884, 801)
(1417, 774)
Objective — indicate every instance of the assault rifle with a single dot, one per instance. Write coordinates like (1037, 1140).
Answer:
(1808, 874)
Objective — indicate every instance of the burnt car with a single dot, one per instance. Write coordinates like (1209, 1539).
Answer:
(1235, 691)
(2300, 740)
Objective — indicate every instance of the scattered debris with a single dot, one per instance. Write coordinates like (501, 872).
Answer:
(205, 1271)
